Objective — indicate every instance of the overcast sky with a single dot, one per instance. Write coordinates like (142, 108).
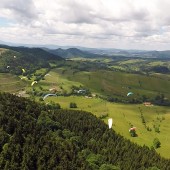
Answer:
(125, 24)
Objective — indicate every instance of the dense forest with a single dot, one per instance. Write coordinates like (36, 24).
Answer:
(36, 136)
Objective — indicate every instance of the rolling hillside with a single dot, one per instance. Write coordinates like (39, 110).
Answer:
(36, 136)
(13, 59)
(118, 84)
(11, 83)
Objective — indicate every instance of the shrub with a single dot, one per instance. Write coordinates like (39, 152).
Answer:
(73, 105)
(156, 143)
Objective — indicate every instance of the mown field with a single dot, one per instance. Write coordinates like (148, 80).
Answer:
(126, 114)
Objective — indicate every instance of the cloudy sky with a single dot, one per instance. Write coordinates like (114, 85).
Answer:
(125, 24)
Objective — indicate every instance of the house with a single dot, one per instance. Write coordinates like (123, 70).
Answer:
(148, 104)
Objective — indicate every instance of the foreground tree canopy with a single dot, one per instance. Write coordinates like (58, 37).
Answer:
(34, 137)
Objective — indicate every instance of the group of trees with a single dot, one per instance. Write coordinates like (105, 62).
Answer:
(161, 100)
(34, 136)
(157, 100)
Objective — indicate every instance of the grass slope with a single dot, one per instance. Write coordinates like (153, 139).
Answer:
(126, 114)
(116, 83)
(10, 83)
(58, 81)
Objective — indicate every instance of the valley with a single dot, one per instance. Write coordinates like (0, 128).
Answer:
(84, 85)
(106, 84)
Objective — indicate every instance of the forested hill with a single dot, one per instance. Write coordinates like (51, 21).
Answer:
(38, 52)
(73, 52)
(35, 136)
(13, 59)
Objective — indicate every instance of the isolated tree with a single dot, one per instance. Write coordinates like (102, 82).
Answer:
(73, 105)
(157, 129)
(133, 133)
(156, 143)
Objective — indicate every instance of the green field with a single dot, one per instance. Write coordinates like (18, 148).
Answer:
(111, 83)
(11, 83)
(139, 64)
(125, 115)
(58, 81)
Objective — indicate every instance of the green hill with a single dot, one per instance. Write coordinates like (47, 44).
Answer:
(114, 85)
(13, 59)
(73, 53)
(36, 136)
(11, 83)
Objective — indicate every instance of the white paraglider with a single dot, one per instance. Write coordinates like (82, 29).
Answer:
(23, 78)
(130, 93)
(33, 83)
(47, 75)
(48, 95)
(110, 121)
(7, 66)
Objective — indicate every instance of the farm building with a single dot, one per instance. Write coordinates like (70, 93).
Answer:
(148, 104)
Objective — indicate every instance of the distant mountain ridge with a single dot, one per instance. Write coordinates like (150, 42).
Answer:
(85, 52)
(131, 53)
(101, 53)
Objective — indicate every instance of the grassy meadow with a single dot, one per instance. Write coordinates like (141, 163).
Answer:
(57, 81)
(11, 83)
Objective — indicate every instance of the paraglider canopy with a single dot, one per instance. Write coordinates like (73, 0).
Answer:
(23, 70)
(110, 121)
(23, 77)
(48, 95)
(48, 75)
(130, 93)
(33, 83)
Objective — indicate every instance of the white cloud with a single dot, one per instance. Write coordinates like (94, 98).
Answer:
(19, 10)
(139, 24)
